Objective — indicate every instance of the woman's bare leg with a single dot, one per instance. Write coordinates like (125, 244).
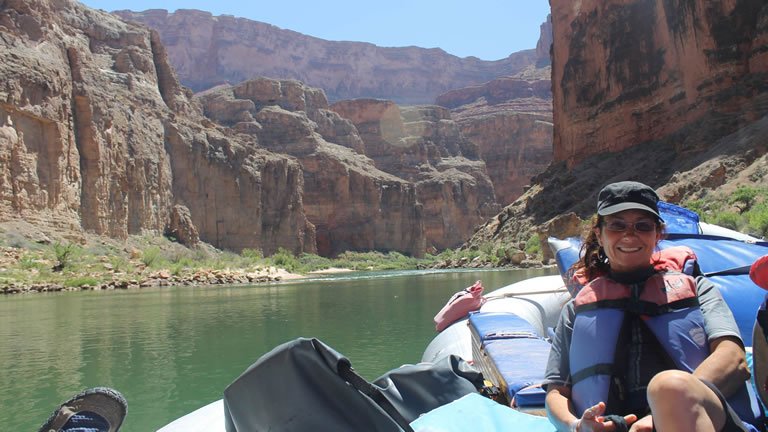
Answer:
(681, 402)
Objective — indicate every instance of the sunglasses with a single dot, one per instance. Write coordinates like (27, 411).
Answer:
(618, 225)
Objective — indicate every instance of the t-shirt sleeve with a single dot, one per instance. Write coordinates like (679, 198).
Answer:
(558, 366)
(718, 318)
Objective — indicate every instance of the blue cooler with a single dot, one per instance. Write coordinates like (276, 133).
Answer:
(510, 354)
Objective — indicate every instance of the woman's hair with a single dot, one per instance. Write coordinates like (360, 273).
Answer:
(592, 259)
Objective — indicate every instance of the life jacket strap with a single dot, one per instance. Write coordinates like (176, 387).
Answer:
(598, 369)
(639, 307)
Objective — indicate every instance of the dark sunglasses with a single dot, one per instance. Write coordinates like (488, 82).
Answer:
(619, 225)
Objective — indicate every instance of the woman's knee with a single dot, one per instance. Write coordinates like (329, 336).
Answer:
(672, 385)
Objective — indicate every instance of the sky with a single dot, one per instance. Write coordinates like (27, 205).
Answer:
(487, 29)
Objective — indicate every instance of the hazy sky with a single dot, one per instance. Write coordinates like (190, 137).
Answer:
(488, 29)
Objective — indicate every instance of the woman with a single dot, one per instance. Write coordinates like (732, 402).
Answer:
(639, 348)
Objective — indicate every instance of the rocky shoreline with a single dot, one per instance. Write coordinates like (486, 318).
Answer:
(162, 278)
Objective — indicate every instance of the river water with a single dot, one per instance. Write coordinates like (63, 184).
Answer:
(173, 350)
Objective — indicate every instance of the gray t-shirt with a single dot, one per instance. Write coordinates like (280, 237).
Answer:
(718, 322)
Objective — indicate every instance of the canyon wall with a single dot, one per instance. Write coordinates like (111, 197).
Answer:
(208, 50)
(97, 135)
(509, 119)
(633, 71)
(486, 98)
(425, 146)
(352, 204)
(672, 93)
(376, 176)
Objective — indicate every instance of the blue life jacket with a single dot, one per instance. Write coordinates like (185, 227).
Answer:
(668, 305)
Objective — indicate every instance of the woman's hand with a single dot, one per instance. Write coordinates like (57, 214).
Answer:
(592, 420)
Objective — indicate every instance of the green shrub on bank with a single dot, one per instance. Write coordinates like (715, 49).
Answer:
(150, 256)
(283, 258)
(31, 262)
(745, 210)
(743, 198)
(533, 246)
(758, 219)
(377, 261)
(252, 254)
(65, 253)
(120, 264)
(486, 252)
(311, 262)
(728, 220)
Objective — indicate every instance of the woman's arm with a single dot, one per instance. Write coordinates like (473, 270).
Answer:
(726, 366)
(559, 409)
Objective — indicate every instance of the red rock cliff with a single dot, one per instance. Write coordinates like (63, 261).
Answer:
(376, 176)
(628, 72)
(510, 121)
(353, 204)
(97, 135)
(425, 146)
(208, 50)
(672, 93)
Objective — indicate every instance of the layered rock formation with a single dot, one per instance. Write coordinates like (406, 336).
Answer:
(630, 72)
(515, 147)
(425, 146)
(97, 135)
(375, 177)
(352, 204)
(208, 51)
(670, 93)
(514, 144)
(510, 121)
(544, 45)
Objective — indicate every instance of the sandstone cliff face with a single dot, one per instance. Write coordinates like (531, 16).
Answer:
(96, 134)
(544, 45)
(669, 93)
(207, 51)
(425, 146)
(352, 204)
(509, 119)
(629, 72)
(375, 176)
(515, 147)
(508, 93)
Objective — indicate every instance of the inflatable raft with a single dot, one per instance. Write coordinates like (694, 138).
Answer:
(507, 339)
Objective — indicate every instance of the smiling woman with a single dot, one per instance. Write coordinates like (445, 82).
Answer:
(628, 239)
(621, 206)
(683, 354)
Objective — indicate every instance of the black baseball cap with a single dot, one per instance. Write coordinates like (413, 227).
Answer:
(627, 195)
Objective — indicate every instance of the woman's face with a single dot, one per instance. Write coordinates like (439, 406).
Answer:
(629, 239)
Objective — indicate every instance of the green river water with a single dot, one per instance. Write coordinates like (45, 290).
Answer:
(173, 350)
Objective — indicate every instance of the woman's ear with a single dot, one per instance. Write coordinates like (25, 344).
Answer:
(597, 236)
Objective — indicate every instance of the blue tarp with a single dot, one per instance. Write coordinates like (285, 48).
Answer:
(504, 336)
(474, 412)
(679, 219)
